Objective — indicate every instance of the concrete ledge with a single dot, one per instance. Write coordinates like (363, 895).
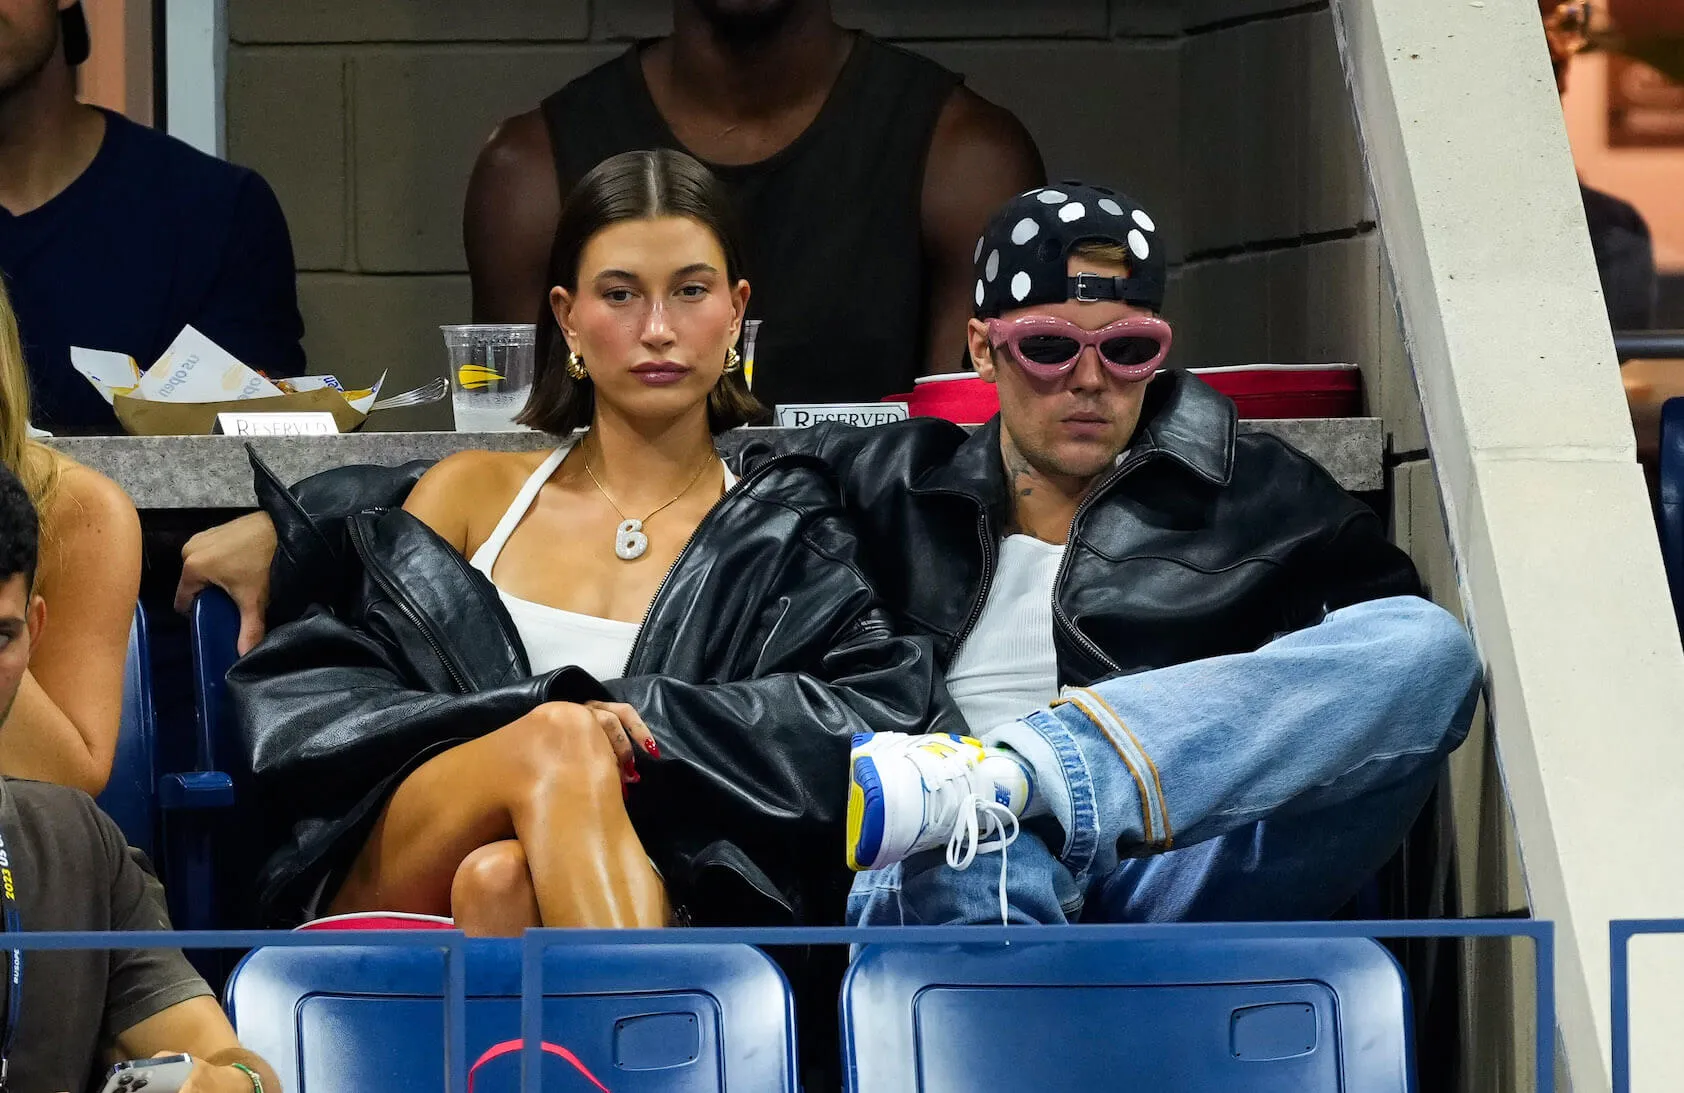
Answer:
(212, 472)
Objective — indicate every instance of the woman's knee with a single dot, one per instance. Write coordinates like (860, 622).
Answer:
(561, 741)
(492, 880)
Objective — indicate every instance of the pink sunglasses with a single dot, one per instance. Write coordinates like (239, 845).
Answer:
(1047, 348)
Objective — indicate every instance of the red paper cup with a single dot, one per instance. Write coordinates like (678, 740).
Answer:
(958, 396)
(1289, 390)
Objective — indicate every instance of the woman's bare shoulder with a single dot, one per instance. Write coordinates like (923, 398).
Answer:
(470, 479)
(88, 503)
(463, 494)
(89, 525)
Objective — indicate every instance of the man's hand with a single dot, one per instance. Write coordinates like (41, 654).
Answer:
(218, 1079)
(235, 557)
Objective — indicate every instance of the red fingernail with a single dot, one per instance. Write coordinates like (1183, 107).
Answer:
(651, 748)
(634, 779)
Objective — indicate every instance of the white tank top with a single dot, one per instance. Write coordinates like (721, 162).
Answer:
(555, 638)
(1008, 666)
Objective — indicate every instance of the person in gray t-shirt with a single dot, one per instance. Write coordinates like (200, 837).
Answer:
(65, 866)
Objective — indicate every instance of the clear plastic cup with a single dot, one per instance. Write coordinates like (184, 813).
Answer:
(491, 370)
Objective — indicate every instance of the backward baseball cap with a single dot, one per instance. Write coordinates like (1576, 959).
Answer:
(73, 26)
(1021, 259)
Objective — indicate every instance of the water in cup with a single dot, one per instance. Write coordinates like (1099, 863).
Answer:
(491, 370)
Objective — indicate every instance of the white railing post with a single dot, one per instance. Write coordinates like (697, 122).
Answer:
(196, 67)
(1533, 451)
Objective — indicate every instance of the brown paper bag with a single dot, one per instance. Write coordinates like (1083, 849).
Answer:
(144, 417)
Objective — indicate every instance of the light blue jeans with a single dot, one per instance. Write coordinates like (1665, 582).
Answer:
(1265, 785)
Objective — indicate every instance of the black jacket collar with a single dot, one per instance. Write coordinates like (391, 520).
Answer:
(1184, 420)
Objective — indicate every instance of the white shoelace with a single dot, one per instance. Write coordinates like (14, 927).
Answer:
(980, 818)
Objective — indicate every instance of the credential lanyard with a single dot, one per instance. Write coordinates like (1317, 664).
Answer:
(14, 971)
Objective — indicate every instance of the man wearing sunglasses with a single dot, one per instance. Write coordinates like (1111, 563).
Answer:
(1204, 683)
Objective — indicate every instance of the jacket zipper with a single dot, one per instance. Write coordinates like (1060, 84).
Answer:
(988, 564)
(397, 596)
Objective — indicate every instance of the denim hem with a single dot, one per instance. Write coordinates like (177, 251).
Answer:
(1157, 834)
(1081, 841)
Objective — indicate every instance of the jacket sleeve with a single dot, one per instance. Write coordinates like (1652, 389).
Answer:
(327, 713)
(1354, 564)
(312, 545)
(777, 746)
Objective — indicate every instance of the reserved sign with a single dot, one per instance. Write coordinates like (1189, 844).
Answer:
(274, 423)
(801, 415)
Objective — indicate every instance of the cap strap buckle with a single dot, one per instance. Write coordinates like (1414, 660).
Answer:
(1089, 288)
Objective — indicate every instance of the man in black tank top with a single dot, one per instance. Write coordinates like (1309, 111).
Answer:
(863, 174)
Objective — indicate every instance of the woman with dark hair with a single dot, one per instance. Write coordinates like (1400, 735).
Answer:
(601, 685)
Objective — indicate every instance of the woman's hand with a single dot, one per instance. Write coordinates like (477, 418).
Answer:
(627, 733)
(235, 557)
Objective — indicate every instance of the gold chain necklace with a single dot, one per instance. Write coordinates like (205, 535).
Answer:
(630, 542)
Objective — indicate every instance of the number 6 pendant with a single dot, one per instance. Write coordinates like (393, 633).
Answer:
(629, 541)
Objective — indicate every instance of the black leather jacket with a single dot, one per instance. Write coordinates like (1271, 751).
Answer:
(1200, 543)
(762, 653)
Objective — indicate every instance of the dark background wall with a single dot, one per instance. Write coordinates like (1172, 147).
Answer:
(1228, 118)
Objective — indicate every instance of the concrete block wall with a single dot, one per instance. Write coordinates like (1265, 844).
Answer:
(1227, 118)
(366, 116)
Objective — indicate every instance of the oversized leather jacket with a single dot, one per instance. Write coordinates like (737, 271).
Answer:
(1199, 543)
(764, 650)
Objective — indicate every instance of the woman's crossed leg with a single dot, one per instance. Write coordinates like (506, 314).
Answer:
(525, 826)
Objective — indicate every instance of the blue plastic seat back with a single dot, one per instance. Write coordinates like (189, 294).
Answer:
(213, 859)
(674, 1018)
(131, 794)
(214, 625)
(1287, 1016)
(1672, 500)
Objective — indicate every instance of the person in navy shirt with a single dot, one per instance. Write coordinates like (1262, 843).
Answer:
(115, 236)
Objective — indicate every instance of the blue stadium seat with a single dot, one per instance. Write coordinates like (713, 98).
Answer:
(674, 1018)
(156, 812)
(130, 795)
(1194, 1016)
(198, 802)
(214, 625)
(1672, 501)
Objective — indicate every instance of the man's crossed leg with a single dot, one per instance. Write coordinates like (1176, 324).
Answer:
(1265, 785)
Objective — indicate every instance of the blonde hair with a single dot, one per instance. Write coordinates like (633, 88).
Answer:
(1112, 254)
(36, 465)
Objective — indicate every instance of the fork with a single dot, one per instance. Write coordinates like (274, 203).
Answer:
(420, 396)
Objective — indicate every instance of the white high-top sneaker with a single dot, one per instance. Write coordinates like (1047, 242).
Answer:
(910, 793)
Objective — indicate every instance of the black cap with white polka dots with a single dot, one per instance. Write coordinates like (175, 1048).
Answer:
(1022, 257)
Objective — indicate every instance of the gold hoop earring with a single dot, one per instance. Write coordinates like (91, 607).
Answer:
(733, 360)
(576, 367)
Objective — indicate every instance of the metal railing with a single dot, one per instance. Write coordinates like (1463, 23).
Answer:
(453, 944)
(1642, 344)
(1620, 933)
